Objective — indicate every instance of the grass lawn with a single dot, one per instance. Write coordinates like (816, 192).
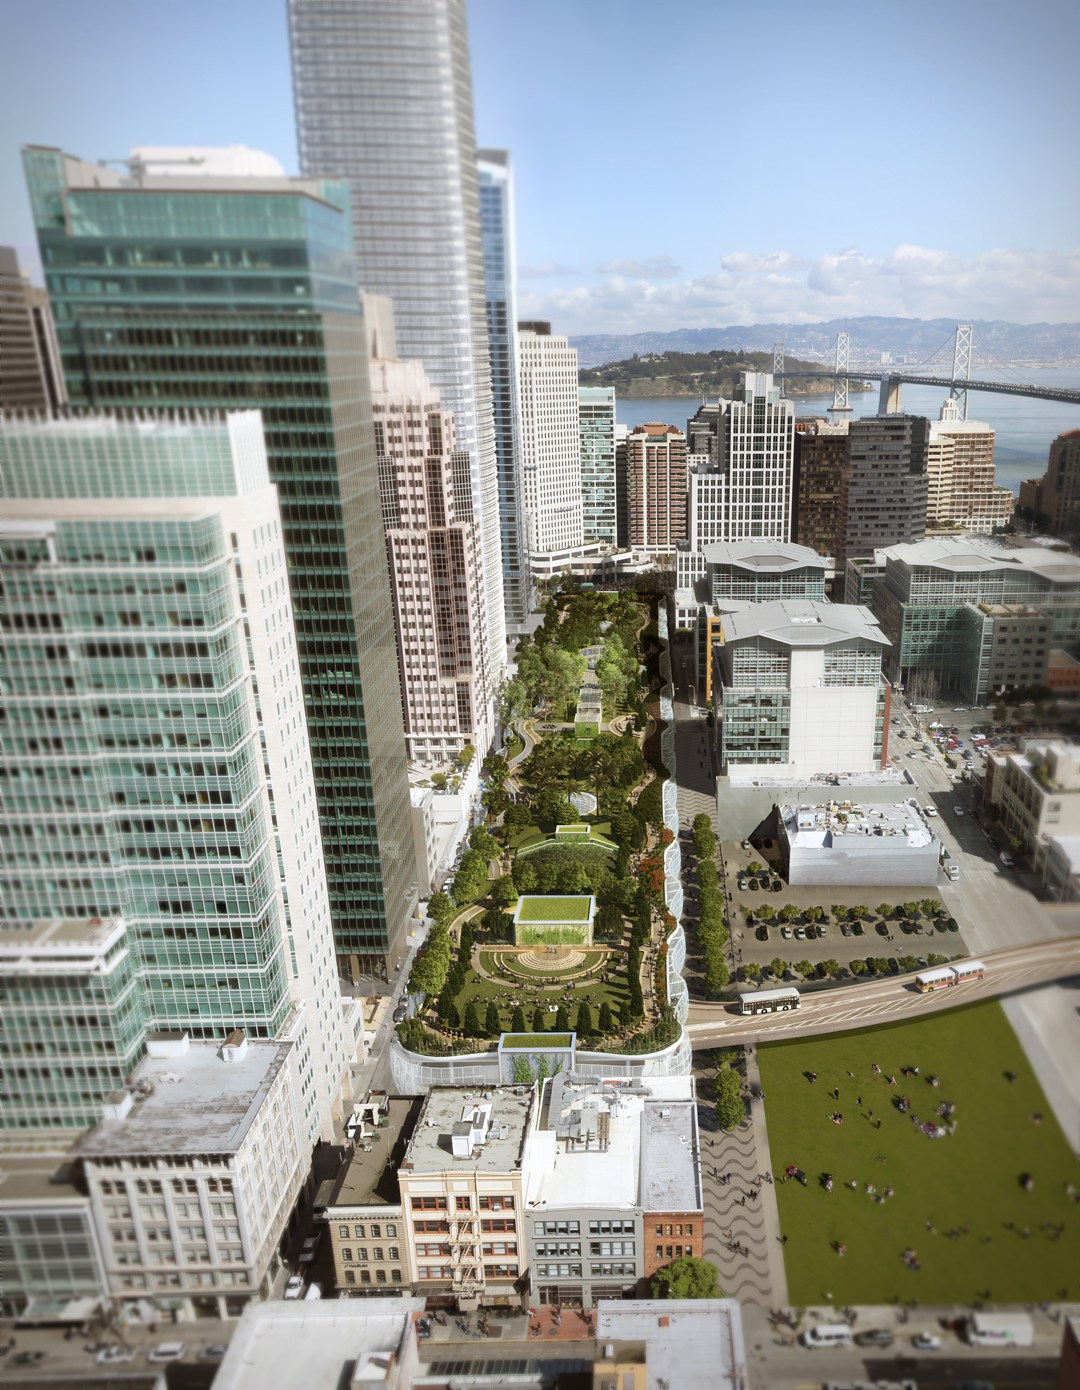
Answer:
(536, 908)
(970, 1178)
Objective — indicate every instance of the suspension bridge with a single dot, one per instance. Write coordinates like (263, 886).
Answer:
(958, 383)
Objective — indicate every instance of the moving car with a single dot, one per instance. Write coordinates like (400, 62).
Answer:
(168, 1351)
(215, 1352)
(307, 1253)
(958, 810)
(926, 1341)
(931, 810)
(1007, 859)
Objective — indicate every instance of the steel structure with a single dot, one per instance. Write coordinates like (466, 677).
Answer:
(840, 378)
(961, 365)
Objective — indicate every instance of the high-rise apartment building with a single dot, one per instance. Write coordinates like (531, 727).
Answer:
(741, 482)
(383, 97)
(887, 483)
(433, 547)
(241, 292)
(655, 487)
(596, 411)
(961, 490)
(157, 761)
(1054, 499)
(30, 373)
(550, 439)
(495, 186)
(820, 493)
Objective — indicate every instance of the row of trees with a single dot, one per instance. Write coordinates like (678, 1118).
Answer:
(712, 924)
(833, 969)
(589, 1025)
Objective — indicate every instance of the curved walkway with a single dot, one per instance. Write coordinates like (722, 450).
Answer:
(742, 1232)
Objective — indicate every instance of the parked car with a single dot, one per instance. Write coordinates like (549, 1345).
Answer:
(168, 1351)
(307, 1253)
(845, 929)
(114, 1355)
(762, 933)
(295, 1287)
(874, 1337)
(215, 1352)
(926, 1341)
(858, 928)
(27, 1358)
(785, 932)
(822, 929)
(1007, 859)
(800, 933)
(952, 924)
(753, 885)
(882, 929)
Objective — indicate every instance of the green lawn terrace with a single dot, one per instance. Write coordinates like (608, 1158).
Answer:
(986, 1211)
(554, 919)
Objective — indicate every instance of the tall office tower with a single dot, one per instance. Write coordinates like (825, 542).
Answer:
(230, 292)
(30, 374)
(887, 483)
(655, 487)
(433, 546)
(820, 491)
(157, 758)
(961, 489)
(495, 186)
(383, 97)
(1054, 499)
(741, 483)
(596, 412)
(550, 440)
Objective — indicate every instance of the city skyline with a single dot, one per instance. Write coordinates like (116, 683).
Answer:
(855, 246)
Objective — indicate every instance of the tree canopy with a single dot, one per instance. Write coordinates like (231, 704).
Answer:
(687, 1277)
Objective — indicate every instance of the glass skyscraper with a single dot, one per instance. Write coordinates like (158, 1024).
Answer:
(496, 190)
(383, 97)
(181, 291)
(159, 817)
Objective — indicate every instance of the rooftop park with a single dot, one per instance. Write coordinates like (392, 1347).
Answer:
(555, 920)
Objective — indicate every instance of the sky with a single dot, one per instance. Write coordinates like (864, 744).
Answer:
(692, 164)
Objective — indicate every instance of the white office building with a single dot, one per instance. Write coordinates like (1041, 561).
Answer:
(798, 691)
(551, 440)
(194, 1171)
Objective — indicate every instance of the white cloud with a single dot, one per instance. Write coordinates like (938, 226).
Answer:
(543, 269)
(908, 282)
(661, 267)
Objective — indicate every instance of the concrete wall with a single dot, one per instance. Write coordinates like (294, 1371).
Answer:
(864, 862)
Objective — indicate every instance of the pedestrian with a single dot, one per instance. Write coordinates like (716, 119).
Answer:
(859, 1102)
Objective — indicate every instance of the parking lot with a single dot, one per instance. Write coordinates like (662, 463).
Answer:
(843, 942)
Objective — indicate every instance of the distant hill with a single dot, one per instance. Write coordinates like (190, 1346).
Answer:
(1043, 344)
(688, 374)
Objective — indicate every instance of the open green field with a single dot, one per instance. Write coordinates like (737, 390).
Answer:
(1005, 1248)
(537, 908)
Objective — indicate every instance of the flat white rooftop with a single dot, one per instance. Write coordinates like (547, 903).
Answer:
(804, 623)
(650, 1158)
(689, 1344)
(62, 937)
(198, 1103)
(280, 1346)
(836, 823)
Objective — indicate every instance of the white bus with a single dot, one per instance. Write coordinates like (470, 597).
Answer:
(769, 1001)
(945, 976)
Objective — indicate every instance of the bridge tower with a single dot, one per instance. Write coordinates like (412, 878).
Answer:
(961, 366)
(840, 380)
(889, 396)
(778, 360)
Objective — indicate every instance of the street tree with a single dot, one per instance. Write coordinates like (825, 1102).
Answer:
(687, 1277)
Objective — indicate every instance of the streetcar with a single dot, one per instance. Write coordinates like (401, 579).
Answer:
(945, 976)
(770, 1001)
